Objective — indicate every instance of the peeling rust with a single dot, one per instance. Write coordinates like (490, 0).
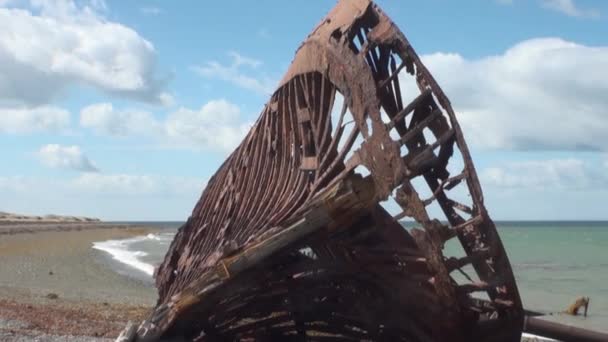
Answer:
(290, 241)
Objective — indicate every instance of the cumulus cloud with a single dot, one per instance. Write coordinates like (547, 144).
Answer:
(570, 173)
(569, 8)
(135, 185)
(234, 73)
(65, 157)
(105, 120)
(115, 197)
(540, 94)
(48, 47)
(216, 125)
(39, 119)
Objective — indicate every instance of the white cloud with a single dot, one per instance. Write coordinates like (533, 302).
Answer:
(66, 157)
(51, 46)
(216, 125)
(569, 8)
(151, 10)
(133, 185)
(540, 94)
(234, 74)
(39, 119)
(104, 119)
(116, 197)
(548, 174)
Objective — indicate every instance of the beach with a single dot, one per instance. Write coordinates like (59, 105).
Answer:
(55, 287)
(84, 281)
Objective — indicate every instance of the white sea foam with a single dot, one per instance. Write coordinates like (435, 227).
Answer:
(119, 249)
(153, 237)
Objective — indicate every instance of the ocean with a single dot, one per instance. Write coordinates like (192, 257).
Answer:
(554, 263)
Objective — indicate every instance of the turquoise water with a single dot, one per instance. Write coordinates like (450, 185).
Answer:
(554, 263)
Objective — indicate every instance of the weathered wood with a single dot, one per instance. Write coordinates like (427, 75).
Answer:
(287, 228)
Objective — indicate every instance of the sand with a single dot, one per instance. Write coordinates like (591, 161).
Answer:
(55, 287)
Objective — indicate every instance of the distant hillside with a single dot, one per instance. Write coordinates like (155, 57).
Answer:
(10, 217)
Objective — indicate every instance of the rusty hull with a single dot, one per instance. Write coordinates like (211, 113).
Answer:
(291, 240)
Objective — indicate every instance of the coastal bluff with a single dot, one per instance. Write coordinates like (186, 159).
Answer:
(18, 218)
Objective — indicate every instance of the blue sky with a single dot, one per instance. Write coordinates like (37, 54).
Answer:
(123, 109)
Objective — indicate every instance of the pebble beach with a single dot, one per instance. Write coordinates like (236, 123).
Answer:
(54, 287)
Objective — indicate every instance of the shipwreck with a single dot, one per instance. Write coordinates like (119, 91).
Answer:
(291, 239)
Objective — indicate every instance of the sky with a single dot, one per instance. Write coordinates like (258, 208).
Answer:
(123, 109)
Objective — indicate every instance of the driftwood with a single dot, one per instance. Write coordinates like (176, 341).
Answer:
(291, 240)
(581, 302)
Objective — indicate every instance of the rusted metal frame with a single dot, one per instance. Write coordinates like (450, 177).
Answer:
(393, 90)
(337, 136)
(456, 220)
(329, 93)
(418, 164)
(304, 103)
(562, 332)
(462, 207)
(391, 260)
(295, 312)
(246, 305)
(427, 241)
(434, 185)
(408, 199)
(340, 159)
(412, 132)
(309, 104)
(215, 188)
(267, 200)
(234, 265)
(395, 317)
(359, 117)
(366, 53)
(270, 193)
(387, 99)
(251, 190)
(456, 263)
(222, 211)
(272, 302)
(296, 183)
(264, 324)
(318, 315)
(473, 184)
(244, 188)
(287, 178)
(392, 77)
(395, 82)
(163, 317)
(407, 45)
(443, 185)
(275, 301)
(295, 197)
(254, 306)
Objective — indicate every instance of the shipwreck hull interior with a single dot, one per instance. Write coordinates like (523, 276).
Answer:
(297, 236)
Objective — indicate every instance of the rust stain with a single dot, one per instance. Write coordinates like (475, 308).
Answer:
(289, 240)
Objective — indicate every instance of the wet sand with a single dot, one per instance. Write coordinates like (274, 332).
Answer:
(53, 284)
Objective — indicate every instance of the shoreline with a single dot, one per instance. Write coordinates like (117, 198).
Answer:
(54, 286)
(27, 227)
